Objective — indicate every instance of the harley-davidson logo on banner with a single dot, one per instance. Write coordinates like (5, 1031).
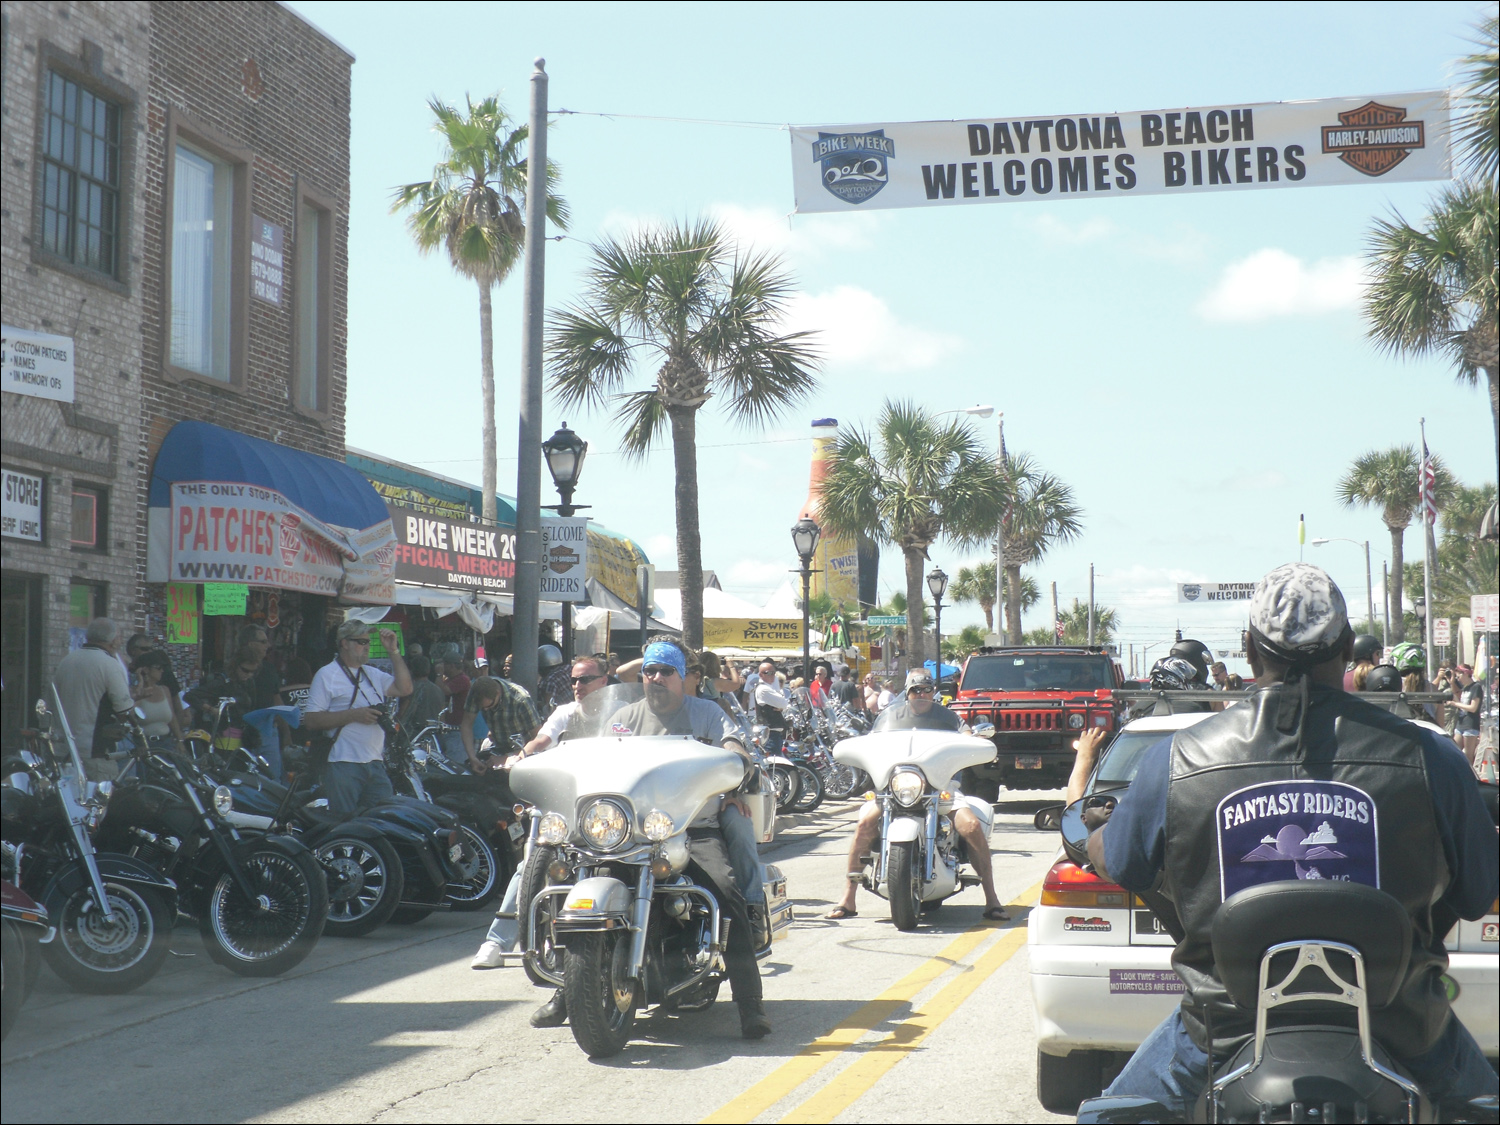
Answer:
(223, 531)
(1009, 159)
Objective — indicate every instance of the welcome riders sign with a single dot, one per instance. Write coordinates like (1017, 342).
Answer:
(1395, 137)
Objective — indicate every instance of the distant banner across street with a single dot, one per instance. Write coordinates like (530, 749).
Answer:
(1387, 139)
(1215, 591)
(755, 635)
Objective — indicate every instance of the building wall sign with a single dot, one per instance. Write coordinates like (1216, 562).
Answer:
(21, 505)
(433, 550)
(565, 558)
(267, 261)
(36, 363)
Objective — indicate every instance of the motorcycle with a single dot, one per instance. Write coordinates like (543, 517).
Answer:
(23, 932)
(634, 929)
(113, 912)
(260, 898)
(920, 855)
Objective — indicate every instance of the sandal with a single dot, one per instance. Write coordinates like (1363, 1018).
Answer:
(996, 914)
(839, 913)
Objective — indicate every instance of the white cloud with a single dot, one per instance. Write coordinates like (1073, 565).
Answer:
(799, 239)
(855, 327)
(1271, 283)
(1180, 243)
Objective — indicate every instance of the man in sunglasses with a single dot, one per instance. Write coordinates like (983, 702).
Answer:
(586, 677)
(918, 711)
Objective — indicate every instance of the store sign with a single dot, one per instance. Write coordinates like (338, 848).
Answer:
(1215, 591)
(267, 261)
(753, 633)
(439, 551)
(36, 364)
(225, 599)
(1231, 148)
(243, 533)
(182, 613)
(565, 558)
(21, 505)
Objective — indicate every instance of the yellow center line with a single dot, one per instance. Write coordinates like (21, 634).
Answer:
(824, 1049)
(855, 1080)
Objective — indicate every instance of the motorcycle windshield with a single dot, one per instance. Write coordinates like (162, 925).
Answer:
(940, 755)
(595, 711)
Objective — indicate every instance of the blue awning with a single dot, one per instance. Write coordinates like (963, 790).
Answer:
(329, 490)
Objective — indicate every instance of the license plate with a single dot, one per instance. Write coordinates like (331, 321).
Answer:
(1148, 924)
(1029, 762)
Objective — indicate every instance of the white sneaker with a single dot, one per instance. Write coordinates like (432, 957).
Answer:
(491, 955)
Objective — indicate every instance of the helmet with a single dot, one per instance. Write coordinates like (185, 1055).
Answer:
(1383, 677)
(548, 657)
(1172, 673)
(1366, 649)
(1408, 657)
(1195, 653)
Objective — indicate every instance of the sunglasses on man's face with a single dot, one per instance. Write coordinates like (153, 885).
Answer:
(363, 642)
(583, 679)
(919, 690)
(658, 672)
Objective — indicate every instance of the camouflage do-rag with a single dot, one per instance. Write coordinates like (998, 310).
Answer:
(1298, 618)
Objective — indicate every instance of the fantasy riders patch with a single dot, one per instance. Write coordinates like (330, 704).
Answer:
(1297, 830)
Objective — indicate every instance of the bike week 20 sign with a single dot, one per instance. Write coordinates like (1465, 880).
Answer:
(439, 551)
(230, 532)
(1390, 138)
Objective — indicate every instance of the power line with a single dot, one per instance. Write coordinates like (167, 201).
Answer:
(617, 452)
(674, 120)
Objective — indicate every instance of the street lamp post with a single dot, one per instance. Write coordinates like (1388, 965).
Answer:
(564, 452)
(937, 586)
(805, 534)
(1369, 585)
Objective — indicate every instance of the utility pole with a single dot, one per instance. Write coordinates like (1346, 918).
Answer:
(1000, 542)
(1055, 637)
(1385, 585)
(528, 589)
(1091, 603)
(1369, 588)
(1427, 552)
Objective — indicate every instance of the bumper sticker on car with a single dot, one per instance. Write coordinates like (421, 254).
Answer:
(1157, 981)
(1490, 931)
(1087, 925)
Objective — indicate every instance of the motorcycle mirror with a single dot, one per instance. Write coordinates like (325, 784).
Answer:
(982, 729)
(41, 708)
(139, 713)
(1075, 835)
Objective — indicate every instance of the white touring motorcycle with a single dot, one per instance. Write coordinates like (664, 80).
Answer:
(920, 856)
(608, 911)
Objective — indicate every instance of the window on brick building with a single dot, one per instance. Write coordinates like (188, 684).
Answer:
(311, 351)
(203, 228)
(90, 525)
(80, 176)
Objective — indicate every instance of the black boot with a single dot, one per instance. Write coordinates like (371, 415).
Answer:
(554, 1013)
(754, 1024)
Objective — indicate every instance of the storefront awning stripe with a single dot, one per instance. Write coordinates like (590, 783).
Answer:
(330, 490)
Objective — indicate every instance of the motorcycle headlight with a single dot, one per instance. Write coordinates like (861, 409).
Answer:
(553, 829)
(223, 801)
(1075, 721)
(908, 786)
(604, 825)
(657, 826)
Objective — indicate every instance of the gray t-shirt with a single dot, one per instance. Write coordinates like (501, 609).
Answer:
(696, 718)
(83, 678)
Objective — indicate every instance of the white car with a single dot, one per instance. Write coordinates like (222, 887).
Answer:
(1101, 972)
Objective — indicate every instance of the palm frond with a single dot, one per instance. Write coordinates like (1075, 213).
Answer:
(644, 415)
(588, 358)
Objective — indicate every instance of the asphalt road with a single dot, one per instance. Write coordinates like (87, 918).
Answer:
(870, 1024)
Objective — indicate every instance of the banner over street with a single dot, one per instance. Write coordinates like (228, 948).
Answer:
(1390, 138)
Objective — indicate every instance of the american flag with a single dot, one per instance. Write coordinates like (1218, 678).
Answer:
(1059, 628)
(1429, 488)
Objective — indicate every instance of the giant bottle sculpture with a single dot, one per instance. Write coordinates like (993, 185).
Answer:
(838, 559)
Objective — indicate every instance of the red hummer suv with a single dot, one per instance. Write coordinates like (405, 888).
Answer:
(1040, 700)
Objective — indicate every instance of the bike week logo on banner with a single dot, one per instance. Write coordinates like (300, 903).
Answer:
(1374, 138)
(1297, 830)
(437, 551)
(1215, 591)
(1227, 148)
(230, 532)
(854, 164)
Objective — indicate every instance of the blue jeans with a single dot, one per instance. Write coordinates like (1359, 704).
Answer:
(744, 852)
(453, 748)
(775, 739)
(506, 931)
(352, 787)
(1169, 1068)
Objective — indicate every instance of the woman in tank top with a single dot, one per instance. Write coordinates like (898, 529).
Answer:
(155, 701)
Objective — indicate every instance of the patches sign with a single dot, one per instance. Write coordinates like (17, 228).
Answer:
(1297, 830)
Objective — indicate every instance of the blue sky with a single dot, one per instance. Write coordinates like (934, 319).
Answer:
(1193, 438)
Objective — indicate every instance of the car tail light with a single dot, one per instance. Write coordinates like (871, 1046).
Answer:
(1067, 884)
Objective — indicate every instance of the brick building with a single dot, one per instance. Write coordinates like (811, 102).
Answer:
(175, 223)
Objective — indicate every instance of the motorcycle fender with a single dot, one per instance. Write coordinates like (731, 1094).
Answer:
(905, 829)
(286, 845)
(113, 867)
(593, 905)
(358, 828)
(778, 760)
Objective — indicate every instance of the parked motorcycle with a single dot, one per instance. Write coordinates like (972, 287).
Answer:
(920, 855)
(260, 898)
(22, 934)
(113, 912)
(634, 929)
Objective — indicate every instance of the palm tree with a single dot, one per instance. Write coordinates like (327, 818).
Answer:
(968, 639)
(1391, 479)
(474, 207)
(914, 482)
(1042, 514)
(705, 317)
(976, 586)
(1075, 623)
(1477, 126)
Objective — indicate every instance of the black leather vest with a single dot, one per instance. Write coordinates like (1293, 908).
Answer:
(1250, 803)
